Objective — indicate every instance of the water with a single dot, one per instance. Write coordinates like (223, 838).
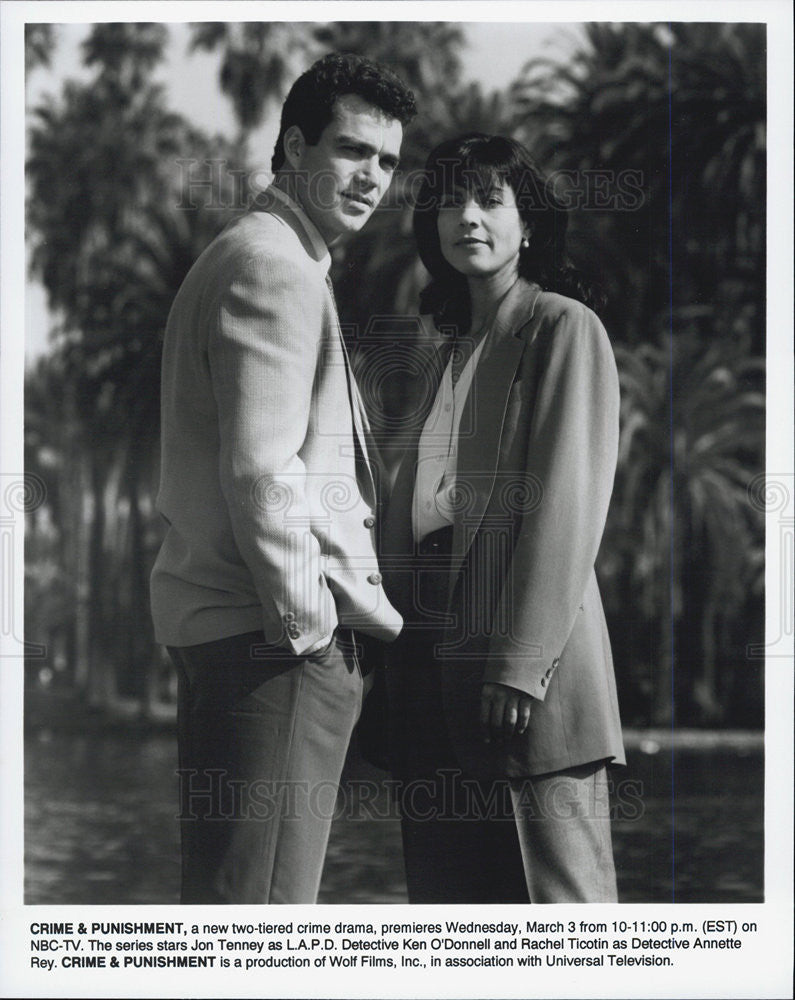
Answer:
(100, 825)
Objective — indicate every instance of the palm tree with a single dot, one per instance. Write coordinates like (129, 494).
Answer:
(52, 594)
(683, 107)
(259, 60)
(39, 46)
(425, 54)
(125, 53)
(692, 438)
(93, 163)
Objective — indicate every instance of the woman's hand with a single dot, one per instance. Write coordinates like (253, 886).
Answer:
(504, 712)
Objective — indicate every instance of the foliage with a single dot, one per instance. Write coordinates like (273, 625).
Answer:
(680, 110)
(125, 54)
(39, 45)
(684, 538)
(259, 59)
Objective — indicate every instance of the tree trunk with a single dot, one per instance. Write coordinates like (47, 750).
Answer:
(78, 565)
(663, 711)
(100, 686)
(139, 648)
(705, 691)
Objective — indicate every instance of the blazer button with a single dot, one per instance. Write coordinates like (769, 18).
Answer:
(369, 522)
(555, 662)
(543, 682)
(374, 578)
(293, 631)
(549, 673)
(288, 616)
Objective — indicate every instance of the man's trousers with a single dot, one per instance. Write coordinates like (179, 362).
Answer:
(262, 740)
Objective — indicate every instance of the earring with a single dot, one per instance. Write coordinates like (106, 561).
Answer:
(525, 243)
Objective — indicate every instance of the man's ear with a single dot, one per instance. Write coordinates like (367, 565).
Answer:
(294, 146)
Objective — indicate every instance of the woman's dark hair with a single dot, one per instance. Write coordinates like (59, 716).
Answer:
(310, 103)
(476, 160)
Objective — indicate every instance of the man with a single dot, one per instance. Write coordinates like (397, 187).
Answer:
(268, 563)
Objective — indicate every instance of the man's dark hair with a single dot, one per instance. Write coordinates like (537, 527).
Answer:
(310, 103)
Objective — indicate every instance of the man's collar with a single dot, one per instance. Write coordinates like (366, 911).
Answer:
(321, 251)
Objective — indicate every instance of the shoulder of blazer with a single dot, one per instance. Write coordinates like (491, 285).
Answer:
(550, 309)
(253, 239)
(263, 234)
(562, 327)
(268, 210)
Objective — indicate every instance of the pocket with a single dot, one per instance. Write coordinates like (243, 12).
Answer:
(323, 654)
(180, 666)
(347, 642)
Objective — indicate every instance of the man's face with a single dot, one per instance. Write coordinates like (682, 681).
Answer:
(342, 178)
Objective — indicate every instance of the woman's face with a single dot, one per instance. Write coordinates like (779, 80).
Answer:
(480, 231)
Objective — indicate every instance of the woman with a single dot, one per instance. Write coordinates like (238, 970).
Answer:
(503, 709)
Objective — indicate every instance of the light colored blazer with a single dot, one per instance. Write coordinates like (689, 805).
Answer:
(536, 461)
(265, 485)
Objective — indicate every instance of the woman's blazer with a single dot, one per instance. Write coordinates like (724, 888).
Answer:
(536, 459)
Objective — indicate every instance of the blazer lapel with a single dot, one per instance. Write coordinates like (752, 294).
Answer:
(270, 201)
(396, 546)
(361, 425)
(484, 415)
(399, 537)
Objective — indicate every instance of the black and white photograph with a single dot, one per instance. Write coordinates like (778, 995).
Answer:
(397, 499)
